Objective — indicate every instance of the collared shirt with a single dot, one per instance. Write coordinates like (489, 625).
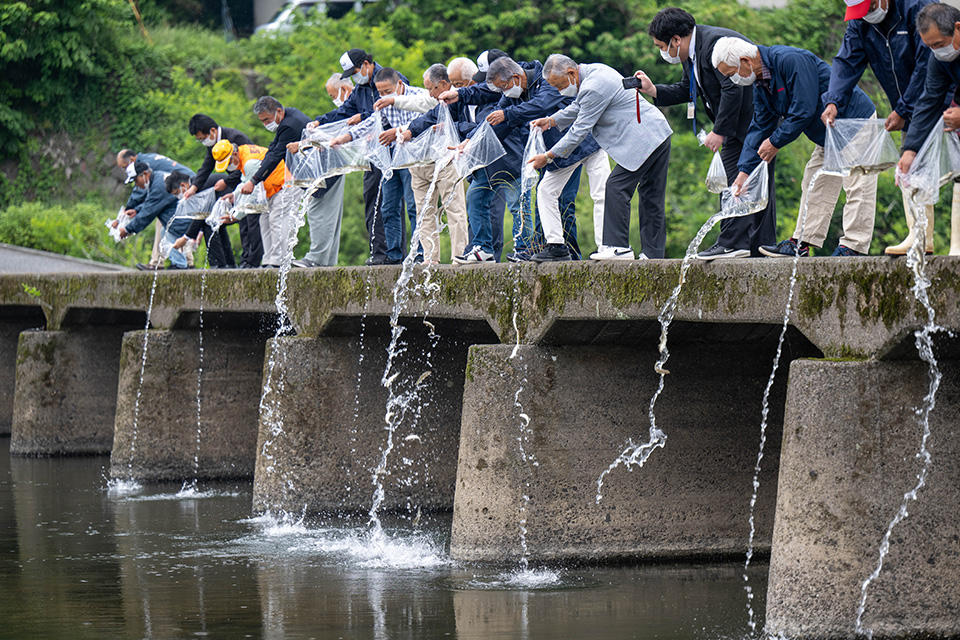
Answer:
(765, 77)
(692, 49)
(392, 115)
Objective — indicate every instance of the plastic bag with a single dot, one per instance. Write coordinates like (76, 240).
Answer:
(529, 177)
(255, 202)
(304, 167)
(321, 136)
(716, 175)
(219, 211)
(753, 194)
(483, 149)
(858, 146)
(196, 207)
(936, 164)
(122, 219)
(378, 154)
(431, 146)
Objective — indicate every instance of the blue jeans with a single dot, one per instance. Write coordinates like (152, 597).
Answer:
(172, 232)
(487, 229)
(396, 191)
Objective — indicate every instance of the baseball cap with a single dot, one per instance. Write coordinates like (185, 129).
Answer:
(488, 56)
(856, 9)
(134, 169)
(353, 59)
(221, 152)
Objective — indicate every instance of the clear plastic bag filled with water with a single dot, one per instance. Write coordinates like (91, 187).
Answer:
(716, 180)
(255, 202)
(431, 146)
(220, 210)
(534, 147)
(752, 196)
(858, 146)
(483, 149)
(303, 167)
(198, 206)
(936, 164)
(122, 219)
(379, 155)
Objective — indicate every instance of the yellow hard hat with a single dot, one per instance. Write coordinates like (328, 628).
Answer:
(221, 153)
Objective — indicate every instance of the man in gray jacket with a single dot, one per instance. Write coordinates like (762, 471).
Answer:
(632, 132)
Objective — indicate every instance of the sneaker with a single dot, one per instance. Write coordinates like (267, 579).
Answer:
(552, 253)
(719, 251)
(613, 253)
(521, 255)
(373, 261)
(149, 267)
(786, 249)
(476, 255)
(305, 263)
(843, 251)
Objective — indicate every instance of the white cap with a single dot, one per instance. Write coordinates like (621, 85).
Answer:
(131, 173)
(482, 62)
(346, 63)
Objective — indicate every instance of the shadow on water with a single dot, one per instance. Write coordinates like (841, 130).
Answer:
(78, 562)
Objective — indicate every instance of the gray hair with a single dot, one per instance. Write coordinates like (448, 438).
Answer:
(502, 69)
(943, 16)
(466, 65)
(729, 51)
(436, 73)
(557, 65)
(339, 82)
(266, 104)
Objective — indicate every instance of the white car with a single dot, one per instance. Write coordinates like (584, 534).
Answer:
(282, 20)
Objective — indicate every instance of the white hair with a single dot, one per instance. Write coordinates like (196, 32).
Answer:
(467, 66)
(730, 50)
(339, 82)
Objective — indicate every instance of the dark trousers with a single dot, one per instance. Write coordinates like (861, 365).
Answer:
(747, 232)
(250, 241)
(371, 212)
(650, 183)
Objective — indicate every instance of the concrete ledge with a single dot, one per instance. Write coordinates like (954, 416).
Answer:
(65, 396)
(692, 497)
(849, 455)
(164, 443)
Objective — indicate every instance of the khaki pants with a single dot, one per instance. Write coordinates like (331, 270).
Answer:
(155, 258)
(451, 195)
(858, 213)
(276, 225)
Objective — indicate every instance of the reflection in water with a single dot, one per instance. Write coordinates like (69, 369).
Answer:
(79, 562)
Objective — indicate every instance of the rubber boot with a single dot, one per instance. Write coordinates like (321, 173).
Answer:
(902, 248)
(955, 222)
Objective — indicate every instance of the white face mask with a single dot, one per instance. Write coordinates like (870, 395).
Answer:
(947, 53)
(338, 101)
(207, 142)
(569, 91)
(272, 126)
(359, 78)
(743, 81)
(494, 87)
(514, 91)
(233, 166)
(876, 16)
(665, 54)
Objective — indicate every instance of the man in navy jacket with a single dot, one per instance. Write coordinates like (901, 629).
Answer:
(160, 205)
(787, 88)
(882, 34)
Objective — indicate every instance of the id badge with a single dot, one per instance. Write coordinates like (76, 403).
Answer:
(691, 109)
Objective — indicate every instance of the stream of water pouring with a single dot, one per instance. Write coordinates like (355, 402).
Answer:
(528, 459)
(916, 261)
(192, 485)
(765, 406)
(637, 454)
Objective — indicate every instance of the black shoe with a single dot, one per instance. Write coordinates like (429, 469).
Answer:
(521, 255)
(388, 261)
(718, 251)
(844, 251)
(552, 253)
(373, 261)
(247, 265)
(786, 249)
(149, 267)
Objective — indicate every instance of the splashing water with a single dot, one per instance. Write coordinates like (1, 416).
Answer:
(636, 455)
(765, 408)
(397, 403)
(916, 261)
(143, 368)
(192, 485)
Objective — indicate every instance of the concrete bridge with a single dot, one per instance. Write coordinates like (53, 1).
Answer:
(303, 414)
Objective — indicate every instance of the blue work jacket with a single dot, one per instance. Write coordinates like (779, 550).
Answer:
(158, 205)
(938, 89)
(156, 162)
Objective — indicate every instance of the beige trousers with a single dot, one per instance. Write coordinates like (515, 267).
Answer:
(451, 195)
(858, 213)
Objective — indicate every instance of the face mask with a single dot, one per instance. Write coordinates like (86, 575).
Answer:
(359, 78)
(514, 91)
(743, 81)
(569, 91)
(494, 88)
(233, 166)
(338, 101)
(947, 53)
(271, 127)
(207, 142)
(876, 16)
(669, 58)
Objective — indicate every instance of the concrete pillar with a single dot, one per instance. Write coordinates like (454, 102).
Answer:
(11, 324)
(584, 403)
(162, 444)
(849, 455)
(322, 429)
(65, 395)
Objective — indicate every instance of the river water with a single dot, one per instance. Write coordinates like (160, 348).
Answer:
(77, 562)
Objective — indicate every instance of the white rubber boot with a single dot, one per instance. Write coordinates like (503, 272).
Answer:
(902, 248)
(955, 222)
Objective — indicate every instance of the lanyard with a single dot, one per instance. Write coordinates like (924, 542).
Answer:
(638, 106)
(692, 106)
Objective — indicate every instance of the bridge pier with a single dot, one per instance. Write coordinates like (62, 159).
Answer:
(162, 444)
(584, 402)
(323, 420)
(13, 320)
(849, 455)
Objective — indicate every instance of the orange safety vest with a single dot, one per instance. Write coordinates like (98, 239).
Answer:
(274, 181)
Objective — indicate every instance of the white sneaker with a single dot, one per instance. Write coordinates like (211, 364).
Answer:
(474, 256)
(613, 253)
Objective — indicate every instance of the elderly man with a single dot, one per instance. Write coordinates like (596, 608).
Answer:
(939, 27)
(634, 133)
(159, 205)
(730, 107)
(883, 34)
(787, 103)
(339, 89)
(126, 160)
(448, 189)
(276, 225)
(360, 66)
